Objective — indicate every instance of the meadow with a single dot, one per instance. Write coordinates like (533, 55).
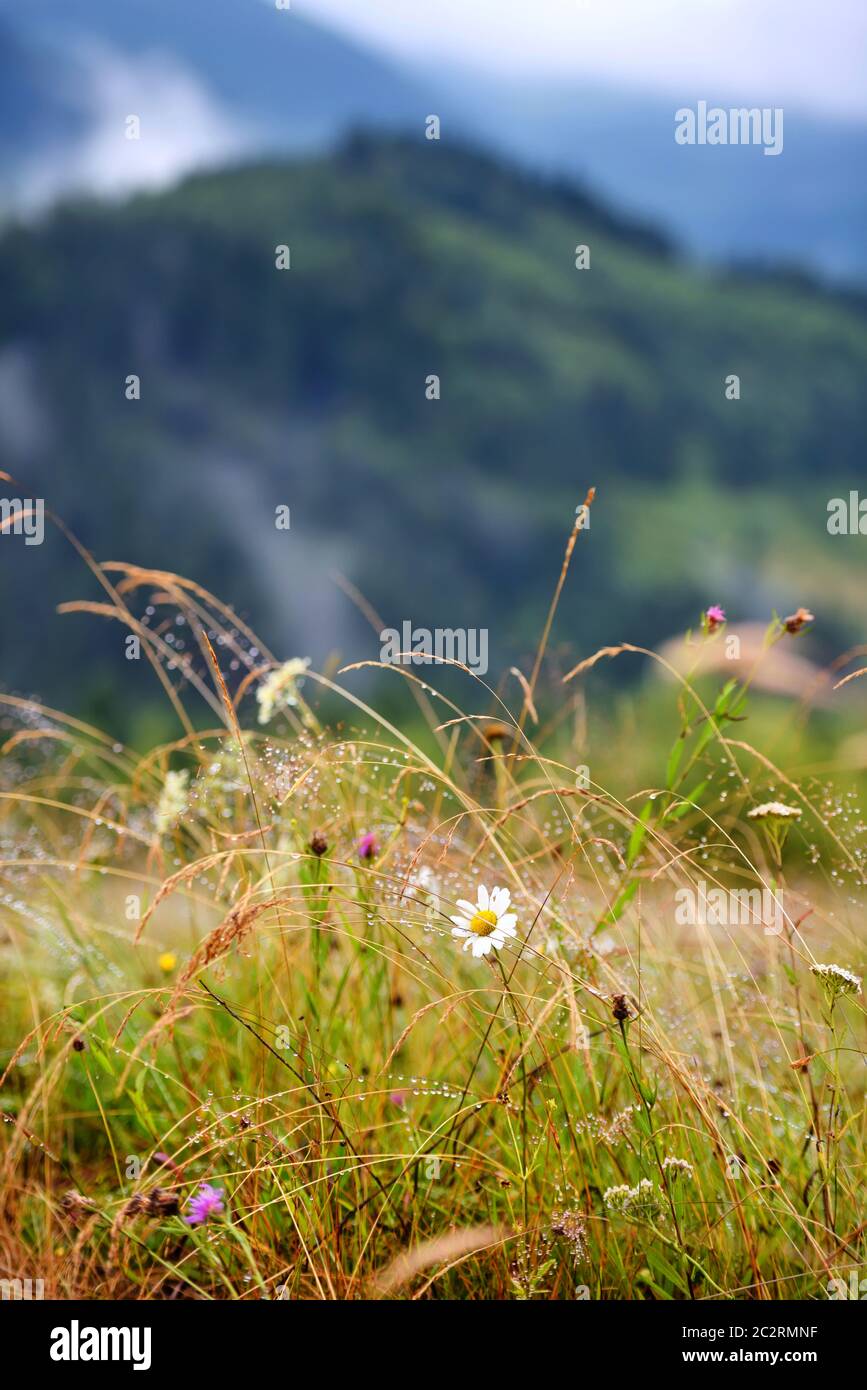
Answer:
(314, 1002)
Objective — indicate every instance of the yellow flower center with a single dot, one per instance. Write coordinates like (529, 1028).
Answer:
(483, 923)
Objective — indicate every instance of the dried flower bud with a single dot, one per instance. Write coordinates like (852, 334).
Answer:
(75, 1207)
(621, 1008)
(796, 621)
(496, 733)
(159, 1202)
(162, 1202)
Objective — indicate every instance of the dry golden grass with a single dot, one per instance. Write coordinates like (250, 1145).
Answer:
(205, 982)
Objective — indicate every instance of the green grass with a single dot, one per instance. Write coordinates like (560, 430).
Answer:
(239, 999)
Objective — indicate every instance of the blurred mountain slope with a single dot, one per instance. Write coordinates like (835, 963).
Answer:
(37, 105)
(806, 206)
(211, 81)
(294, 79)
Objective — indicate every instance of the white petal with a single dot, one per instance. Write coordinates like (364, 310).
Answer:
(483, 898)
(481, 946)
(507, 924)
(469, 908)
(459, 932)
(504, 897)
(460, 921)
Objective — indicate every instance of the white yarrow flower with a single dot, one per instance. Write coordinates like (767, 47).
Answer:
(485, 926)
(774, 810)
(678, 1168)
(836, 980)
(173, 800)
(280, 687)
(641, 1201)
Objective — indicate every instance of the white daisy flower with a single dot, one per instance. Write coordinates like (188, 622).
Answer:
(485, 926)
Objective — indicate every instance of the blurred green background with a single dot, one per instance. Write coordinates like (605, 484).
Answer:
(306, 388)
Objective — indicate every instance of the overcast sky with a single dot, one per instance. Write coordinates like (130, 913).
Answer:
(812, 53)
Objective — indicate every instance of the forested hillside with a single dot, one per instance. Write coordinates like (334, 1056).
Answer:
(308, 387)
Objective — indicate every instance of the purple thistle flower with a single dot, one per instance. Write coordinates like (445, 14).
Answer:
(368, 846)
(207, 1202)
(714, 617)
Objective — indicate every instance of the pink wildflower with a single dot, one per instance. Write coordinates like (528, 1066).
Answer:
(207, 1202)
(368, 846)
